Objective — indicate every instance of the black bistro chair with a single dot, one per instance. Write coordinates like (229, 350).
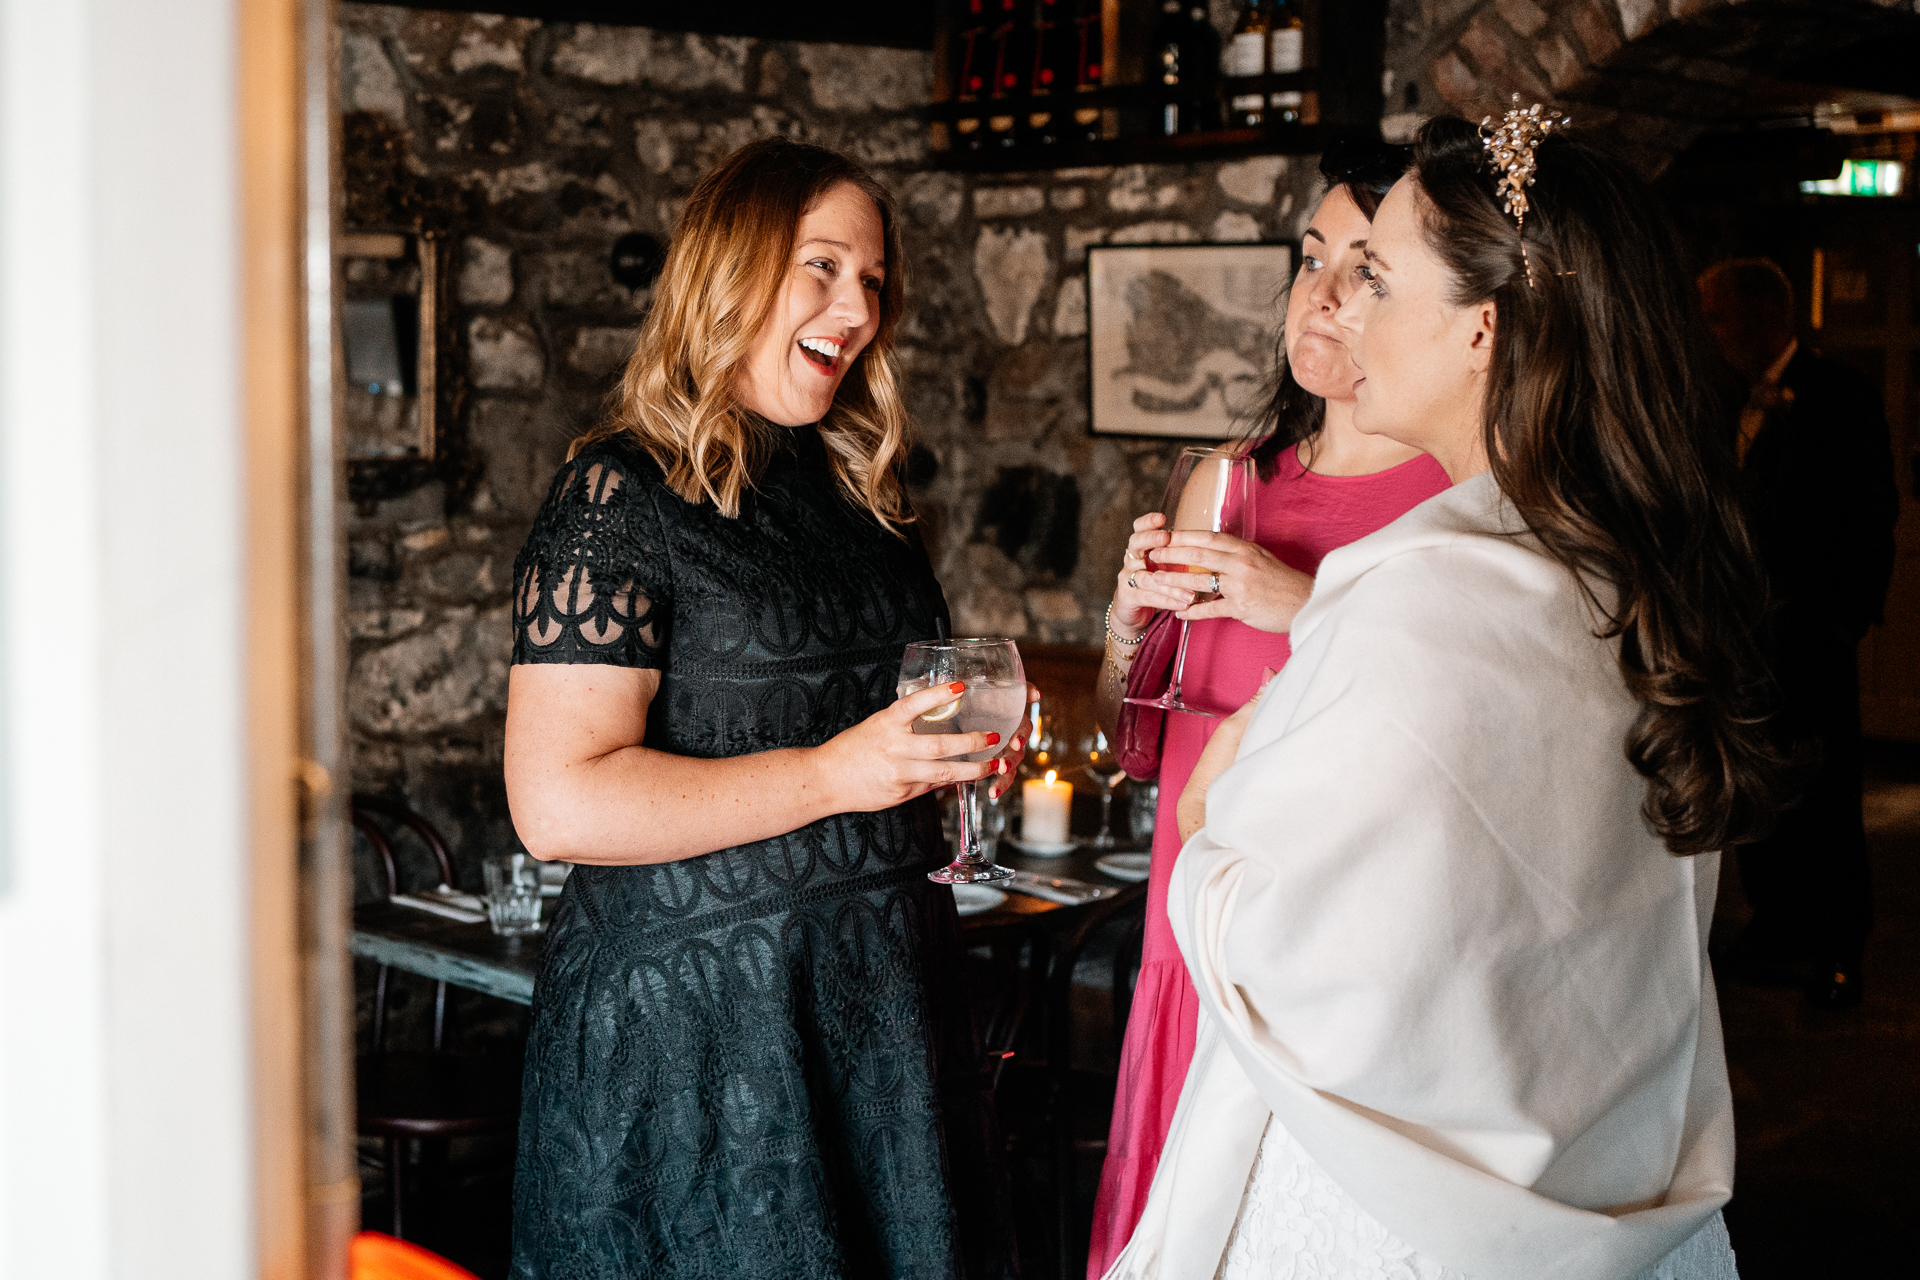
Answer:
(1041, 1097)
(431, 1096)
(1065, 1086)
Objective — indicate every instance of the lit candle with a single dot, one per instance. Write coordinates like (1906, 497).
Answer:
(1047, 804)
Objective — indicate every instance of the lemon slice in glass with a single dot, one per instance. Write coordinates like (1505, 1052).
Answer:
(947, 712)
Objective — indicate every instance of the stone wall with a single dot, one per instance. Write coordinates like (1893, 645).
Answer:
(531, 147)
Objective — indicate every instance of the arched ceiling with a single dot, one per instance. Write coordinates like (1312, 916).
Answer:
(1661, 72)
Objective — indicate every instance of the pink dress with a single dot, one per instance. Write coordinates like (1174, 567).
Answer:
(1300, 517)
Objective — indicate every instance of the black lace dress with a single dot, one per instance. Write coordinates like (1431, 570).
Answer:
(757, 1062)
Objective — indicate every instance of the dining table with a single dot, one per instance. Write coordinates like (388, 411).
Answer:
(1034, 945)
(471, 955)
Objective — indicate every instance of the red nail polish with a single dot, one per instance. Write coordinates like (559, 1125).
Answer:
(993, 739)
(957, 687)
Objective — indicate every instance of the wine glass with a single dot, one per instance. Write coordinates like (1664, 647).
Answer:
(1042, 752)
(1210, 490)
(996, 697)
(1103, 766)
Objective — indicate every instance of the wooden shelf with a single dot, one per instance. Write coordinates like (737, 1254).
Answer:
(1218, 144)
(1124, 97)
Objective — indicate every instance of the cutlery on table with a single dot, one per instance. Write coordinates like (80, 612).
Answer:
(1066, 892)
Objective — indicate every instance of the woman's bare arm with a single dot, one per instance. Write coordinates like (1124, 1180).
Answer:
(584, 787)
(1190, 810)
(1110, 686)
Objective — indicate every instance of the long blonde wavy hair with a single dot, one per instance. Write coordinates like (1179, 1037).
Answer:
(720, 283)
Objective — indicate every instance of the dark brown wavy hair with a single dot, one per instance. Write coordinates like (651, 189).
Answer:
(1289, 413)
(1607, 433)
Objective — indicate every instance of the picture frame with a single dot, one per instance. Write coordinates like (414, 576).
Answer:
(1180, 337)
(390, 311)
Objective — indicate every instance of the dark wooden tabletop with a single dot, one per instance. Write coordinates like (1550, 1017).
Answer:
(1022, 910)
(472, 956)
(467, 955)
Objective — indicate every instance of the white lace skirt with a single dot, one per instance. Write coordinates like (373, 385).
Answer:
(1296, 1223)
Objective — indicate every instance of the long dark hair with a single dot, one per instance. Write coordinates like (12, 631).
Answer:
(1605, 431)
(1289, 413)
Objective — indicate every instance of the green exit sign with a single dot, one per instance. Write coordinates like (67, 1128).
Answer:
(1861, 178)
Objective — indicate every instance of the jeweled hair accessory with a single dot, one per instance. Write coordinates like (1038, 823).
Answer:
(1510, 156)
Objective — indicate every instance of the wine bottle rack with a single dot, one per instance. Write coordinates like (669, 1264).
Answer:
(1341, 95)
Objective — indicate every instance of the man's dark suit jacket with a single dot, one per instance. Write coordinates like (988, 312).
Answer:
(1819, 489)
(1822, 501)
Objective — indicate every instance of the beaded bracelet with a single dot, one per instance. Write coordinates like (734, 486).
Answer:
(1128, 645)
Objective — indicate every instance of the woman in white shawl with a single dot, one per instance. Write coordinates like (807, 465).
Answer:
(1447, 914)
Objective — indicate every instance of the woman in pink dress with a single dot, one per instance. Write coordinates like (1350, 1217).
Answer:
(1322, 484)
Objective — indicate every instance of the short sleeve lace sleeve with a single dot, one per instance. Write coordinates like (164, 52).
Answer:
(592, 584)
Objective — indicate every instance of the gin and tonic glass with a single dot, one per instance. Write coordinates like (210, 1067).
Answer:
(995, 699)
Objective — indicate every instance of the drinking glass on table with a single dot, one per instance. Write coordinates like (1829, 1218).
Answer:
(1103, 766)
(1143, 805)
(1211, 490)
(996, 697)
(1042, 752)
(513, 894)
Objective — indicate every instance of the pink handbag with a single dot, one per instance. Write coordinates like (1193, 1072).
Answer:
(1138, 736)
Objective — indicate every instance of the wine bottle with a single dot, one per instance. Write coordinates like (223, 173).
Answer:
(1009, 47)
(971, 69)
(1169, 39)
(1287, 45)
(1088, 75)
(1052, 47)
(1247, 57)
(1201, 109)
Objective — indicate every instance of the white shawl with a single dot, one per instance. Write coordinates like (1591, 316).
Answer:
(1433, 936)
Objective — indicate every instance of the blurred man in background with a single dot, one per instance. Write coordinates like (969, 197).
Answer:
(1817, 471)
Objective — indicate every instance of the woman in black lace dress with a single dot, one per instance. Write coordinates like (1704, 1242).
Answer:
(750, 1054)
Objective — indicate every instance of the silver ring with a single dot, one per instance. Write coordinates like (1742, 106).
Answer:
(1132, 583)
(1216, 582)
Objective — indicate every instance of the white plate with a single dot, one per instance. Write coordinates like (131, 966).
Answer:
(1048, 850)
(972, 899)
(1131, 867)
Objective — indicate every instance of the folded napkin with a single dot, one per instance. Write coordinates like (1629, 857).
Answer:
(444, 900)
(1068, 893)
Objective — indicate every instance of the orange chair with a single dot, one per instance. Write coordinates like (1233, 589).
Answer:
(373, 1256)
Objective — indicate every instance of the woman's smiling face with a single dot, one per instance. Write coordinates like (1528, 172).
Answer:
(827, 311)
(1331, 252)
(1422, 360)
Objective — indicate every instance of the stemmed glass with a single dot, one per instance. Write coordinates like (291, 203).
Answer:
(1103, 766)
(996, 697)
(1211, 490)
(1041, 748)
